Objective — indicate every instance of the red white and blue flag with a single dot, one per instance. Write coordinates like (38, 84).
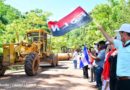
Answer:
(85, 51)
(85, 57)
(75, 19)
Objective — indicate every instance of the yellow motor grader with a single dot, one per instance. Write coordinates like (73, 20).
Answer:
(35, 48)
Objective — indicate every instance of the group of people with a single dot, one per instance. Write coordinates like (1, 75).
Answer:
(105, 65)
(122, 45)
(110, 63)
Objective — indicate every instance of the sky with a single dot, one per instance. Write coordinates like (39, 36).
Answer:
(59, 8)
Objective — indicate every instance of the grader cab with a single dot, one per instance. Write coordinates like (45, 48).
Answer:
(35, 48)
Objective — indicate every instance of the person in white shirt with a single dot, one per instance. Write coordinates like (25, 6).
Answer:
(123, 57)
(75, 58)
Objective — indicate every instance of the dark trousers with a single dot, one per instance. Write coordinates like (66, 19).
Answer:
(92, 69)
(123, 85)
(85, 71)
(112, 82)
(98, 72)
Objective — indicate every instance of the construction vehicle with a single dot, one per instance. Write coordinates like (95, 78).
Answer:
(35, 48)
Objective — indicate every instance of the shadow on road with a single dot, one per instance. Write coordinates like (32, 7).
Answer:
(57, 67)
(48, 78)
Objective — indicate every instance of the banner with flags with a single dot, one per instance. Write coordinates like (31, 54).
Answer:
(73, 20)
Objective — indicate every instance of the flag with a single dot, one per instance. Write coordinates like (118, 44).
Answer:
(75, 19)
(81, 65)
(85, 59)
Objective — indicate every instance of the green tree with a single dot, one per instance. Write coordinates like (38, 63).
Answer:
(110, 15)
(30, 21)
(8, 13)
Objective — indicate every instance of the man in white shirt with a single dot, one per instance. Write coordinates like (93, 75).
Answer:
(123, 57)
(75, 58)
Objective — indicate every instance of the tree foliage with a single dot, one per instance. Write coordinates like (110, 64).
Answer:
(110, 15)
(13, 24)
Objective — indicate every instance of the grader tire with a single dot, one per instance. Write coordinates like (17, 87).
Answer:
(56, 58)
(31, 64)
(2, 68)
(2, 71)
(54, 61)
(53, 64)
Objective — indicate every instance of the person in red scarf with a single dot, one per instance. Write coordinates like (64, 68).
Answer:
(106, 69)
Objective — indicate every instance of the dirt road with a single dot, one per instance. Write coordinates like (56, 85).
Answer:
(63, 77)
